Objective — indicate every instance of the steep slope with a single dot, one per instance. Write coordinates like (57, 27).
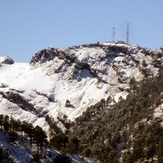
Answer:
(81, 75)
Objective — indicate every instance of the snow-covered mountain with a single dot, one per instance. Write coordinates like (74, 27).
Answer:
(60, 84)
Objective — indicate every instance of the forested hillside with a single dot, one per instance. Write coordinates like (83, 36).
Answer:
(128, 131)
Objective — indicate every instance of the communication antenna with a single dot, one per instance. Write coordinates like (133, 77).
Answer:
(127, 39)
(113, 35)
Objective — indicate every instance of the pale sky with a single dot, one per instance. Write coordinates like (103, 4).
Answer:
(27, 26)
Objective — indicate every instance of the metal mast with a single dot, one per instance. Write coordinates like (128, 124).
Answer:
(113, 35)
(127, 39)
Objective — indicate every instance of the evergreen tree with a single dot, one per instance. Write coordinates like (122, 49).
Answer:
(132, 83)
(14, 124)
(6, 123)
(24, 128)
(40, 137)
(56, 141)
(1, 120)
(12, 136)
(74, 144)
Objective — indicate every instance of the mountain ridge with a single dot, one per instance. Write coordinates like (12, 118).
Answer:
(81, 74)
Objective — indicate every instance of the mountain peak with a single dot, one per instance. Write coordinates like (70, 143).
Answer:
(50, 53)
(43, 55)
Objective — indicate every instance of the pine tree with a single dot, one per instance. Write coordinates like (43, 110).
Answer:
(56, 141)
(74, 143)
(40, 137)
(6, 123)
(1, 120)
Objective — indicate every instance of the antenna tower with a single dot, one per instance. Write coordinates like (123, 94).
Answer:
(127, 39)
(113, 35)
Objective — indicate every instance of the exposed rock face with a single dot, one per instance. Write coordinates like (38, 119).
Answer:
(107, 53)
(7, 60)
(48, 54)
(43, 55)
(19, 100)
(161, 48)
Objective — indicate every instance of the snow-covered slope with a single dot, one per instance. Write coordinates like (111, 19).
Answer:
(37, 92)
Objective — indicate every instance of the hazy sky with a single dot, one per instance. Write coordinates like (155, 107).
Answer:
(27, 26)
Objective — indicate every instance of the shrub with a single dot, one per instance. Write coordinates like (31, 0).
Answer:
(62, 158)
(67, 104)
(144, 64)
(87, 152)
(36, 156)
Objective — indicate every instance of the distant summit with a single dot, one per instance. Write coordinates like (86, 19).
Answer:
(6, 60)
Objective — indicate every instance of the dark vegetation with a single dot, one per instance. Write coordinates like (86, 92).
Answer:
(126, 130)
(5, 156)
(15, 130)
(62, 158)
